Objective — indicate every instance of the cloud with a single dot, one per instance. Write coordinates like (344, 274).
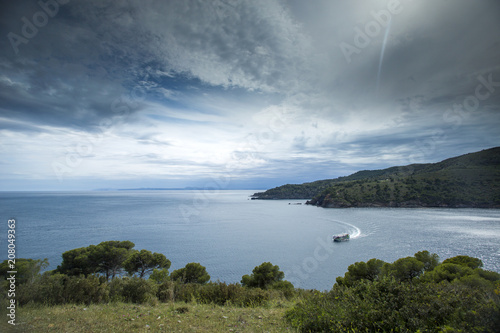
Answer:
(261, 88)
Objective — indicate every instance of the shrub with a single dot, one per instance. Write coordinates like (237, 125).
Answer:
(361, 270)
(116, 290)
(448, 272)
(263, 276)
(160, 275)
(192, 273)
(47, 289)
(252, 297)
(86, 290)
(429, 260)
(285, 287)
(165, 292)
(404, 269)
(28, 270)
(218, 293)
(465, 261)
(137, 290)
(397, 302)
(186, 292)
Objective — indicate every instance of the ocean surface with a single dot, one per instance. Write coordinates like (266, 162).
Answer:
(230, 234)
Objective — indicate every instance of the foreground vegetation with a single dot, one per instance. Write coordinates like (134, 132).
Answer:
(161, 317)
(90, 292)
(413, 294)
(471, 180)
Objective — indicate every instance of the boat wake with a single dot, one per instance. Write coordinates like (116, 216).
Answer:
(353, 231)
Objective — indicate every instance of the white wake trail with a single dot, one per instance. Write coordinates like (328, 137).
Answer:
(353, 231)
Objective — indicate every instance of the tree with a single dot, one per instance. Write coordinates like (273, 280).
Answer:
(106, 258)
(361, 270)
(404, 269)
(286, 287)
(110, 256)
(144, 261)
(77, 262)
(429, 260)
(191, 273)
(263, 276)
(448, 272)
(465, 261)
(159, 275)
(27, 269)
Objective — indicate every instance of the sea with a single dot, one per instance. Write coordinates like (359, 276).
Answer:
(230, 234)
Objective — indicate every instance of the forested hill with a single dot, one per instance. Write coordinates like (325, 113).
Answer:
(471, 180)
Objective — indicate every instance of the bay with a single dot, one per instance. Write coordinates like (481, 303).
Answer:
(230, 234)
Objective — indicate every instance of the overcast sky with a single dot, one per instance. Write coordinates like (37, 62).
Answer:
(242, 94)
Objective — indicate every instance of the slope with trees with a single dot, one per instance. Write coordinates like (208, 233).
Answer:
(471, 180)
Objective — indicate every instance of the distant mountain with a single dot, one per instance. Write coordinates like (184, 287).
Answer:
(471, 180)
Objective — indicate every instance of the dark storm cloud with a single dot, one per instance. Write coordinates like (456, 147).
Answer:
(91, 53)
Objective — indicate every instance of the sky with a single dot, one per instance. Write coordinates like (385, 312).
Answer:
(101, 94)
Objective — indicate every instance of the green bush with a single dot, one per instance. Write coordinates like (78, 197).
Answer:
(263, 276)
(186, 292)
(404, 269)
(448, 272)
(252, 297)
(137, 290)
(116, 290)
(28, 270)
(451, 298)
(85, 290)
(160, 275)
(487, 275)
(218, 293)
(47, 289)
(54, 289)
(360, 271)
(286, 288)
(193, 272)
(165, 291)
(465, 261)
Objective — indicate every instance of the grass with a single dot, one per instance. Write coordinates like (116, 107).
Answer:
(163, 317)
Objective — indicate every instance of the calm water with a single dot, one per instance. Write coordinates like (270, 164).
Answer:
(230, 235)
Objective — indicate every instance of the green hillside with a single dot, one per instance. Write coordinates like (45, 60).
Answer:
(471, 180)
